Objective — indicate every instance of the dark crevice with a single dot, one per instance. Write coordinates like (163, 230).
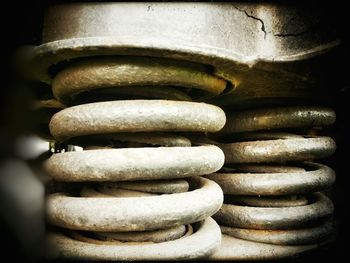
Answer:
(293, 34)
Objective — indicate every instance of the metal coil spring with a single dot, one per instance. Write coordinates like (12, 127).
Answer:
(271, 187)
(142, 196)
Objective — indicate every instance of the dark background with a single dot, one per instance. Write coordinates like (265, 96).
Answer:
(21, 25)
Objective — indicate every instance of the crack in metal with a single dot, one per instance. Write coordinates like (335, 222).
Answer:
(255, 18)
(293, 34)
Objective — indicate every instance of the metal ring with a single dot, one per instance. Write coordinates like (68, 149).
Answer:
(112, 214)
(200, 244)
(278, 150)
(304, 236)
(136, 116)
(278, 118)
(320, 177)
(92, 74)
(131, 164)
(275, 218)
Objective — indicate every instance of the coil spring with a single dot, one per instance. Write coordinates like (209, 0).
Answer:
(147, 201)
(271, 187)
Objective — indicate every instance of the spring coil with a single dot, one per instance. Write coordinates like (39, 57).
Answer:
(141, 194)
(271, 186)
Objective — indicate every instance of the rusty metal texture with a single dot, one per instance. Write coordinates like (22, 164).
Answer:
(99, 191)
(132, 71)
(119, 140)
(269, 197)
(136, 116)
(243, 250)
(277, 118)
(274, 41)
(135, 92)
(156, 186)
(283, 237)
(146, 163)
(99, 239)
(157, 236)
(275, 218)
(280, 181)
(109, 53)
(147, 213)
(279, 150)
(202, 243)
(267, 201)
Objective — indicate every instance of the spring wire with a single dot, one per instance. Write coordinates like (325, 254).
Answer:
(273, 189)
(141, 195)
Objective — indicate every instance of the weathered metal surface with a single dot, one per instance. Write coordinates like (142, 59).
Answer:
(232, 248)
(134, 92)
(265, 64)
(110, 214)
(269, 168)
(267, 201)
(264, 182)
(132, 71)
(136, 116)
(275, 218)
(156, 236)
(106, 192)
(202, 243)
(261, 185)
(156, 186)
(134, 164)
(279, 150)
(273, 41)
(80, 236)
(312, 235)
(139, 139)
(257, 136)
(277, 118)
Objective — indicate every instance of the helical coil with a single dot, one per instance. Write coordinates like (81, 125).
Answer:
(141, 195)
(273, 189)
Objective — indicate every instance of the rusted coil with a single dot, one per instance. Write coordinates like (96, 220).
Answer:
(279, 150)
(278, 118)
(148, 201)
(156, 236)
(202, 243)
(282, 237)
(275, 218)
(281, 181)
(108, 214)
(124, 71)
(136, 116)
(135, 163)
(233, 248)
(268, 201)
(270, 197)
